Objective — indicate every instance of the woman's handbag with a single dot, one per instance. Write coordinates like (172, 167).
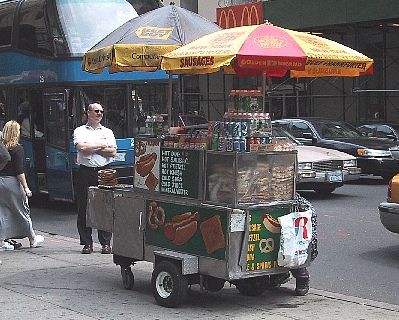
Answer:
(296, 235)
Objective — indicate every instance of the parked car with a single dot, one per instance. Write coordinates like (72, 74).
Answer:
(389, 209)
(320, 169)
(380, 130)
(373, 154)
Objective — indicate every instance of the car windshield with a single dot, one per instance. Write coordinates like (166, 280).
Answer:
(328, 130)
(283, 135)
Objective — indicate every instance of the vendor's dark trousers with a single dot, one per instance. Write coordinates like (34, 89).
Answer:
(300, 273)
(87, 177)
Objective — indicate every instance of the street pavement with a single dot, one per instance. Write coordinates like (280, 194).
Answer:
(56, 281)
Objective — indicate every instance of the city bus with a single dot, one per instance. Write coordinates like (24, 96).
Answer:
(42, 85)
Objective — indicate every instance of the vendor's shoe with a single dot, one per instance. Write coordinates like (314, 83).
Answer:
(302, 287)
(38, 241)
(14, 243)
(87, 249)
(106, 249)
(6, 247)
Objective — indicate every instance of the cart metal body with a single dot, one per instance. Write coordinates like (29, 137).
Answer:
(208, 220)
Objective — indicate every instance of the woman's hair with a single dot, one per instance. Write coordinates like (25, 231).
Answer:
(10, 134)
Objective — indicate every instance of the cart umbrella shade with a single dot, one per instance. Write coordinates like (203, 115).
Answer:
(139, 44)
(266, 49)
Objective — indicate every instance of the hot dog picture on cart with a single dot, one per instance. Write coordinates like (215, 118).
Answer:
(146, 156)
(190, 229)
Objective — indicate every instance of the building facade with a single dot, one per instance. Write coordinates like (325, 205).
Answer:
(369, 26)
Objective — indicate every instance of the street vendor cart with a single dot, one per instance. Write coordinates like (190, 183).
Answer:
(201, 216)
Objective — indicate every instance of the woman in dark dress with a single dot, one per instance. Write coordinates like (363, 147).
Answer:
(15, 221)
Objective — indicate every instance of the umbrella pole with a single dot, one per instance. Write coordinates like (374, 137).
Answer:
(170, 100)
(264, 74)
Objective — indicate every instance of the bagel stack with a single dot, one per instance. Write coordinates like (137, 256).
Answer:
(107, 177)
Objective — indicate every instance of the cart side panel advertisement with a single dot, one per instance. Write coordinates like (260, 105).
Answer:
(188, 229)
(146, 156)
(263, 239)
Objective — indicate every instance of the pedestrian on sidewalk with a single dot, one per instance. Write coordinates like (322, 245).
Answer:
(4, 158)
(15, 220)
(96, 147)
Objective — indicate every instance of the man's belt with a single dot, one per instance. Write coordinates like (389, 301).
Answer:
(94, 168)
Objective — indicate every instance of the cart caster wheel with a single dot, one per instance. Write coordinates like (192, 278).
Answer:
(170, 287)
(213, 284)
(127, 277)
(252, 286)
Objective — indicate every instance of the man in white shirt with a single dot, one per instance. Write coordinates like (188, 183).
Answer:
(96, 147)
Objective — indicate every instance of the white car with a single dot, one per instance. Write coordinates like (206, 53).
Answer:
(320, 169)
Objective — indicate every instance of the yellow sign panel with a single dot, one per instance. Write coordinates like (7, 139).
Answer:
(154, 33)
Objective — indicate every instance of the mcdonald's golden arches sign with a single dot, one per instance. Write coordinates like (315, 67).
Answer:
(242, 15)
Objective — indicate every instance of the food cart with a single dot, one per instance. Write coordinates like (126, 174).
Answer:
(202, 216)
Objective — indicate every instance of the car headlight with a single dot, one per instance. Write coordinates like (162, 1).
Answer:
(305, 166)
(350, 163)
(373, 153)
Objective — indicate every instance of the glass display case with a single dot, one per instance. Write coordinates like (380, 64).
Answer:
(249, 178)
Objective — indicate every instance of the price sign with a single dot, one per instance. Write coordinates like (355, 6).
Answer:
(180, 172)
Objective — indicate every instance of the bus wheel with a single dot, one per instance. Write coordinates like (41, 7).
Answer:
(169, 286)
(127, 277)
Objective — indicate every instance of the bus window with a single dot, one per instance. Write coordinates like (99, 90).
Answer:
(55, 123)
(6, 20)
(82, 27)
(32, 31)
(113, 100)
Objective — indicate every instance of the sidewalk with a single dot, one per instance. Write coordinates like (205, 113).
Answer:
(57, 282)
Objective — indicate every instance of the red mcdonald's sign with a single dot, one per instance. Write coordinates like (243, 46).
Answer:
(241, 15)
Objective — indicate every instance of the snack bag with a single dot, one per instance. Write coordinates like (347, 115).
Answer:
(296, 234)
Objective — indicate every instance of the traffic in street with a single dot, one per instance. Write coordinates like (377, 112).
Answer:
(357, 255)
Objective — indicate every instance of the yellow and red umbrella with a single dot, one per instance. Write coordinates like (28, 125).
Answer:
(266, 49)
(139, 44)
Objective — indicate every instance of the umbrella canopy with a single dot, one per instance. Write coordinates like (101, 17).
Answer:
(266, 49)
(139, 43)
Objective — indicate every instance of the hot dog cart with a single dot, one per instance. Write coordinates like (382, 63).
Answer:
(201, 216)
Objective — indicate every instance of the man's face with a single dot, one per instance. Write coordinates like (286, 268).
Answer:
(95, 114)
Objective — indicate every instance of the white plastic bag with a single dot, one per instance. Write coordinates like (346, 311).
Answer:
(296, 234)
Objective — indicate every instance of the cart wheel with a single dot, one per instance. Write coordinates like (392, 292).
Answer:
(169, 286)
(127, 277)
(214, 284)
(252, 286)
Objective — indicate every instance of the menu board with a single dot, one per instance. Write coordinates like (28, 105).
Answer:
(180, 172)
(263, 239)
